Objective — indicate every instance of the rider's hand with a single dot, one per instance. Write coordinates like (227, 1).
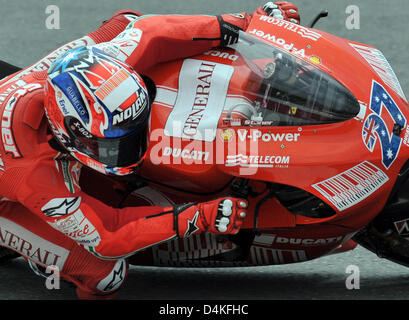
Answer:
(280, 10)
(222, 216)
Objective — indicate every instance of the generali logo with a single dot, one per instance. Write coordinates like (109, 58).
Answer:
(30, 245)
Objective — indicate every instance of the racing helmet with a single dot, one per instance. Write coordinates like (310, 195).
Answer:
(98, 109)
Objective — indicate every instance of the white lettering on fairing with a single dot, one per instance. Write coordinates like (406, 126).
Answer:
(201, 97)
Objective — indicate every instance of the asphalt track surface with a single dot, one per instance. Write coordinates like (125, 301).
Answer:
(383, 24)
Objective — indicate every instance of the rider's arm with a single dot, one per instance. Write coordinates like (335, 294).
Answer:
(112, 27)
(153, 39)
(51, 191)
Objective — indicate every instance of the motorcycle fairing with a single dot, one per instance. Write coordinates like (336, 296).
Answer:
(344, 162)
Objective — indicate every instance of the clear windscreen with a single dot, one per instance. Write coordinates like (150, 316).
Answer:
(291, 91)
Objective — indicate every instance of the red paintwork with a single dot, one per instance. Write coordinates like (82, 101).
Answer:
(321, 152)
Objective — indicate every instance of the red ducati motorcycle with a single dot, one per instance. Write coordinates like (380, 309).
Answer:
(311, 128)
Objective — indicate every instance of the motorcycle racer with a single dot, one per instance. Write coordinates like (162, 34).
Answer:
(44, 214)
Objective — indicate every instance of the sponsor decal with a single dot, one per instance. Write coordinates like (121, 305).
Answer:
(123, 45)
(199, 104)
(77, 226)
(352, 186)
(257, 135)
(300, 30)
(375, 128)
(111, 49)
(201, 98)
(111, 84)
(120, 93)
(192, 226)
(123, 48)
(227, 135)
(115, 279)
(134, 33)
(74, 97)
(402, 227)
(77, 126)
(58, 207)
(133, 111)
(257, 123)
(221, 54)
(186, 153)
(93, 164)
(30, 245)
(166, 96)
(269, 239)
(381, 66)
(62, 103)
(4, 95)
(315, 60)
(238, 122)
(272, 161)
(7, 133)
(232, 122)
(278, 41)
(131, 32)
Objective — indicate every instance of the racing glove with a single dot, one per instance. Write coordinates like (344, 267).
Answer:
(229, 30)
(280, 10)
(221, 216)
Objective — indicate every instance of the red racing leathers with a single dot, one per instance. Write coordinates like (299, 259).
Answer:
(46, 181)
(44, 215)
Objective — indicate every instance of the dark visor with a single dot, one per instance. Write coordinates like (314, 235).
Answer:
(114, 152)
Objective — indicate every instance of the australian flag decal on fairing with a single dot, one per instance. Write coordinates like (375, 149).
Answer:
(375, 128)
